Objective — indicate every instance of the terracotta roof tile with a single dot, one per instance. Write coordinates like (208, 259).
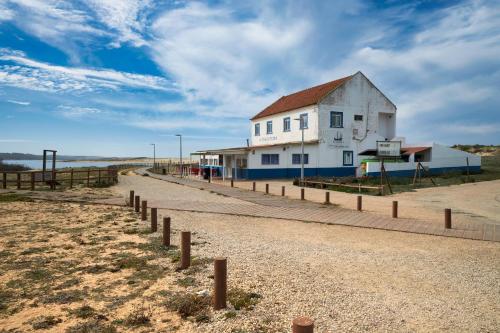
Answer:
(301, 98)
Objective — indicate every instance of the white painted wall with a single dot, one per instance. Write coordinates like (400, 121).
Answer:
(358, 96)
(254, 157)
(295, 134)
(441, 157)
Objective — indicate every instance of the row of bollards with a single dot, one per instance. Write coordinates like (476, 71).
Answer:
(220, 264)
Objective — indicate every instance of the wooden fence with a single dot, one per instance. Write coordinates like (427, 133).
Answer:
(359, 187)
(64, 178)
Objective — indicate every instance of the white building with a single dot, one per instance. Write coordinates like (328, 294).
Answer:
(342, 119)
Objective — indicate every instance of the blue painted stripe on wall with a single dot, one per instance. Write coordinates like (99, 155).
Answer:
(295, 172)
(433, 171)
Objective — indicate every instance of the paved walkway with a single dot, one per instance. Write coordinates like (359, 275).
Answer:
(258, 204)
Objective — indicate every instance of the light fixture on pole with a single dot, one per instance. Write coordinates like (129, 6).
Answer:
(154, 155)
(180, 152)
(301, 122)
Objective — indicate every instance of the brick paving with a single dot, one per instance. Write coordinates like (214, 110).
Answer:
(259, 204)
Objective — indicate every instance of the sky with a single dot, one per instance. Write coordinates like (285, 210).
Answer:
(110, 77)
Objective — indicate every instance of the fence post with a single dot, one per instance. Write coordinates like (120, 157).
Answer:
(220, 281)
(18, 181)
(447, 218)
(232, 183)
(302, 194)
(254, 185)
(71, 179)
(99, 176)
(302, 325)
(4, 180)
(131, 199)
(185, 249)
(144, 210)
(327, 197)
(267, 188)
(282, 191)
(395, 209)
(88, 178)
(33, 181)
(154, 219)
(166, 231)
(360, 202)
(137, 203)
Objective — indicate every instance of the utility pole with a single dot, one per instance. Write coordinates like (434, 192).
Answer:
(180, 152)
(301, 122)
(154, 155)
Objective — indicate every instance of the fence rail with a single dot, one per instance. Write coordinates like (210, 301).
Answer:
(60, 178)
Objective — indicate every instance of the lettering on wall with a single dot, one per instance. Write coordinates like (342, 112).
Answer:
(268, 139)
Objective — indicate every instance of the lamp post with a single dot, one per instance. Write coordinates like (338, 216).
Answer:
(180, 151)
(154, 155)
(301, 122)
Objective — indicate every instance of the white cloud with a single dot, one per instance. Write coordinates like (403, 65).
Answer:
(75, 112)
(471, 128)
(32, 74)
(127, 18)
(18, 102)
(216, 57)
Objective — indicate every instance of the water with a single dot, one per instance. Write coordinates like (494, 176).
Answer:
(38, 164)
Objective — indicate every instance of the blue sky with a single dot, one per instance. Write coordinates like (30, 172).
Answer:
(109, 77)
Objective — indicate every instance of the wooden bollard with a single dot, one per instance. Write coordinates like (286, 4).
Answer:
(447, 218)
(166, 231)
(395, 209)
(327, 197)
(131, 199)
(254, 186)
(18, 181)
(185, 249)
(302, 194)
(360, 202)
(232, 183)
(282, 191)
(32, 181)
(220, 281)
(144, 210)
(302, 325)
(267, 188)
(154, 219)
(137, 203)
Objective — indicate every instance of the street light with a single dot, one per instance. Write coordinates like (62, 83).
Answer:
(154, 155)
(180, 153)
(301, 120)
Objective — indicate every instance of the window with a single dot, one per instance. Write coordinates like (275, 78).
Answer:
(296, 158)
(257, 129)
(336, 119)
(358, 117)
(268, 159)
(348, 158)
(269, 127)
(304, 123)
(286, 124)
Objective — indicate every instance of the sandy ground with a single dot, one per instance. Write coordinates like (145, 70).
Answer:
(471, 203)
(57, 257)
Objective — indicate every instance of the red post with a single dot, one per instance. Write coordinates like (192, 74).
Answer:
(144, 210)
(360, 202)
(154, 219)
(302, 325)
(395, 209)
(447, 218)
(220, 281)
(131, 199)
(166, 231)
(137, 203)
(185, 249)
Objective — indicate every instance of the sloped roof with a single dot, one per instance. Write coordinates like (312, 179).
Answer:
(301, 98)
(413, 150)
